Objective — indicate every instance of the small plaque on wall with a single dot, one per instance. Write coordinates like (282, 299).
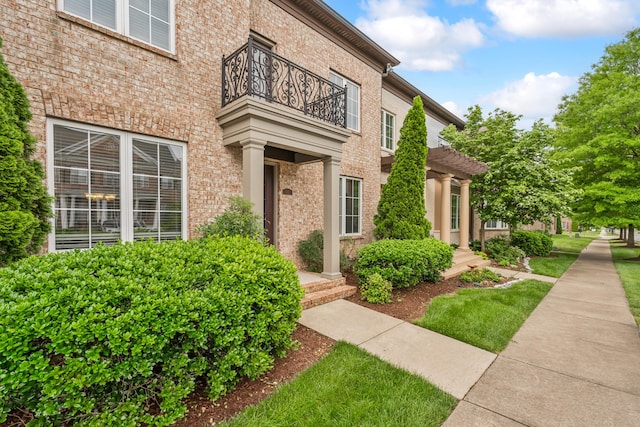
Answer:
(287, 192)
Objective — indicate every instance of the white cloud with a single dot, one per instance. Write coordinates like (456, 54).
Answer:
(564, 18)
(454, 108)
(420, 41)
(534, 96)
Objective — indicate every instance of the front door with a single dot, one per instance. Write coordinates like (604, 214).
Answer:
(269, 202)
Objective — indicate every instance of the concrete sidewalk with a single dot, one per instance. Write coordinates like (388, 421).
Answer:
(574, 362)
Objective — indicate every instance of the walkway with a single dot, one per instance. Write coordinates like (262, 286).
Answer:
(574, 362)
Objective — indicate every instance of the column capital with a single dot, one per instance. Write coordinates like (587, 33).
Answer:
(446, 176)
(253, 143)
(331, 160)
(465, 181)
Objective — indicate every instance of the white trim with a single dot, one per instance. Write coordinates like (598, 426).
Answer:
(455, 197)
(347, 82)
(342, 205)
(499, 225)
(383, 135)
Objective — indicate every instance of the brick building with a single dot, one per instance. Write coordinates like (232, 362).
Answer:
(150, 114)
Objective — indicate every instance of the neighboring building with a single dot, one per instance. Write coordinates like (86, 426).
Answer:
(149, 115)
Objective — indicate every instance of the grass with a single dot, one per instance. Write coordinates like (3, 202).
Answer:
(485, 318)
(554, 265)
(350, 387)
(629, 272)
(565, 243)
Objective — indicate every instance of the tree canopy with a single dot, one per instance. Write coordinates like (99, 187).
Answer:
(24, 204)
(599, 133)
(401, 209)
(523, 184)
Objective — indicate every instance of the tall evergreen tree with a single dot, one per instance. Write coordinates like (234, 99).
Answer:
(401, 209)
(25, 206)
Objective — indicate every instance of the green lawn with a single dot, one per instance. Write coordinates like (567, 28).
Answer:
(485, 318)
(554, 265)
(350, 387)
(565, 243)
(629, 272)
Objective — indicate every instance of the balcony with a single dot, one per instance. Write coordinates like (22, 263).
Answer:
(259, 73)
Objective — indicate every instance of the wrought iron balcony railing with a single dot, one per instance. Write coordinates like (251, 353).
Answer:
(256, 71)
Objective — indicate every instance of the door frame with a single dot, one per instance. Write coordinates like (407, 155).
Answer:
(271, 202)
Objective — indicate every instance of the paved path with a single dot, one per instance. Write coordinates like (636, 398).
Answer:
(574, 362)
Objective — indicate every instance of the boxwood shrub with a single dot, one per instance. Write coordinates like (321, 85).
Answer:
(535, 243)
(118, 335)
(404, 262)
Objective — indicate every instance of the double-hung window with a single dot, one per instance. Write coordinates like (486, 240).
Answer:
(150, 21)
(455, 211)
(495, 224)
(350, 206)
(388, 130)
(353, 100)
(112, 185)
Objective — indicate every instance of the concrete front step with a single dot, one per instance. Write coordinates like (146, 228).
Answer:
(463, 261)
(324, 291)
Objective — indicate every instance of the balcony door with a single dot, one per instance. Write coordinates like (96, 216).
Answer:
(262, 70)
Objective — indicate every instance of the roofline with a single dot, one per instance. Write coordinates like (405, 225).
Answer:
(403, 88)
(318, 15)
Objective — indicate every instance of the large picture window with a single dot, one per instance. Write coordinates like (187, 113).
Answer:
(388, 130)
(353, 100)
(111, 186)
(350, 206)
(150, 21)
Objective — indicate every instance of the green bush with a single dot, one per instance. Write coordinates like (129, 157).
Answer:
(376, 289)
(238, 220)
(532, 242)
(500, 250)
(311, 251)
(479, 275)
(475, 245)
(118, 335)
(404, 262)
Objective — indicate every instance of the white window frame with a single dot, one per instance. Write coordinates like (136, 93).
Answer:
(499, 225)
(353, 94)
(126, 176)
(343, 206)
(384, 142)
(122, 22)
(455, 212)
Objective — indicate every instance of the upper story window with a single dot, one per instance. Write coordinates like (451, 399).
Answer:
(388, 130)
(495, 224)
(353, 100)
(150, 21)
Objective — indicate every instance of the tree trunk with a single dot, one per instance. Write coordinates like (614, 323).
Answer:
(631, 241)
(482, 235)
(621, 234)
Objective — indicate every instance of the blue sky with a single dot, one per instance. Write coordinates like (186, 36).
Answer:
(517, 55)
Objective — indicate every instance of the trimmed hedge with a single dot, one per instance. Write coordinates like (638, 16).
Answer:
(404, 262)
(118, 335)
(532, 242)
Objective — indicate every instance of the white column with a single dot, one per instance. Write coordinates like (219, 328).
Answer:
(464, 214)
(331, 263)
(253, 174)
(445, 208)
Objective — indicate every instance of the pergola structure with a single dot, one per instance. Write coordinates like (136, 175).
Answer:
(444, 164)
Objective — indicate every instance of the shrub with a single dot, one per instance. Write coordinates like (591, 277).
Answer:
(479, 275)
(118, 335)
(238, 220)
(376, 289)
(401, 212)
(404, 262)
(475, 245)
(311, 251)
(499, 249)
(532, 242)
(25, 206)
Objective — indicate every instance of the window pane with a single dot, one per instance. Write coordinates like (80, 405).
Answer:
(145, 158)
(170, 160)
(105, 152)
(78, 7)
(170, 225)
(72, 229)
(71, 147)
(160, 9)
(145, 225)
(160, 33)
(104, 12)
(143, 5)
(171, 197)
(139, 25)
